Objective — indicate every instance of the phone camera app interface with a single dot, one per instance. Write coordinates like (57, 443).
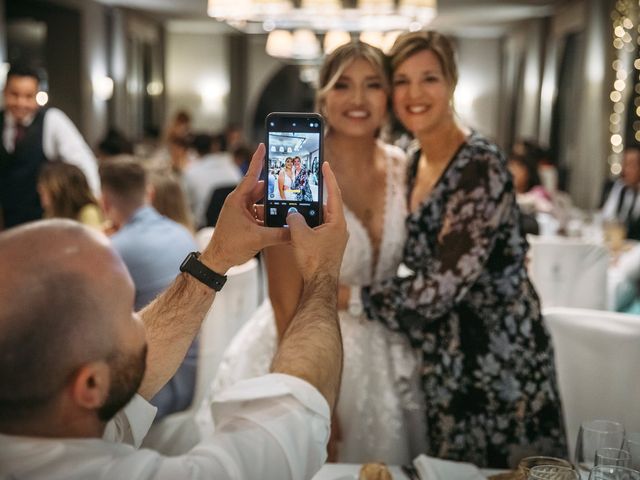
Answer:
(293, 172)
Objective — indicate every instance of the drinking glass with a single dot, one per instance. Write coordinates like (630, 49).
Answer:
(608, 472)
(613, 457)
(632, 445)
(595, 434)
(615, 233)
(526, 464)
(552, 472)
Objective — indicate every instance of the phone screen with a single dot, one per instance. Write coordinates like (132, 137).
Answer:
(293, 165)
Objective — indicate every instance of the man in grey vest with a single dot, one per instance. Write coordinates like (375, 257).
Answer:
(32, 136)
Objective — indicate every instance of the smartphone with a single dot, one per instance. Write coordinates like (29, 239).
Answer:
(293, 165)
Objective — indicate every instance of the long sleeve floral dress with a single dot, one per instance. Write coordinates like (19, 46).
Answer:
(487, 361)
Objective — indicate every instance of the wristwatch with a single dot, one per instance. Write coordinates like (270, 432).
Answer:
(194, 267)
(355, 301)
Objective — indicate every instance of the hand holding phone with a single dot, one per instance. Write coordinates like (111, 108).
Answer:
(293, 165)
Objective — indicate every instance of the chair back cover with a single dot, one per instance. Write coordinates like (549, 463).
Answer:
(597, 357)
(569, 272)
(233, 306)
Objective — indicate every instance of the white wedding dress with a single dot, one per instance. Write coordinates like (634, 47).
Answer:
(379, 407)
(288, 193)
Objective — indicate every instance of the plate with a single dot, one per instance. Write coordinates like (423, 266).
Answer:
(505, 476)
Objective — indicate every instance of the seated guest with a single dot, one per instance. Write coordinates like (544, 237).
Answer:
(527, 183)
(31, 136)
(538, 200)
(241, 157)
(233, 137)
(74, 418)
(65, 193)
(152, 247)
(178, 153)
(623, 202)
(169, 199)
(213, 169)
(113, 144)
(179, 126)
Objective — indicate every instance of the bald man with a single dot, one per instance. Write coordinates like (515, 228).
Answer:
(72, 353)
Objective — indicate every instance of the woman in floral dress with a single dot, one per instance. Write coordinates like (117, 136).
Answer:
(487, 360)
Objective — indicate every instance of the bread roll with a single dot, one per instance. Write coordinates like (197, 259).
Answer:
(374, 471)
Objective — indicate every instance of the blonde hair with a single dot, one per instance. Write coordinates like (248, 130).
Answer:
(338, 60)
(169, 198)
(410, 43)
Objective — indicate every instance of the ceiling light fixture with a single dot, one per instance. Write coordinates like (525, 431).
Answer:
(322, 16)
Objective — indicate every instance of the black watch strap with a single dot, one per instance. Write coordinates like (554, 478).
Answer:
(194, 267)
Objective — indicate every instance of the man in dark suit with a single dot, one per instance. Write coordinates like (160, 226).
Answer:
(623, 201)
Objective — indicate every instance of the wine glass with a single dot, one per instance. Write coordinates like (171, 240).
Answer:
(613, 457)
(527, 463)
(615, 233)
(552, 472)
(632, 445)
(609, 472)
(595, 434)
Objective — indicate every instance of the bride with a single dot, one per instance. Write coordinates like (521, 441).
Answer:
(379, 401)
(285, 179)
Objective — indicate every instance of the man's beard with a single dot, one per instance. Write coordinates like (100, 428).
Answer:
(127, 371)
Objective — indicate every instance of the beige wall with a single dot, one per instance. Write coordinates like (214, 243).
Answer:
(93, 32)
(261, 68)
(197, 77)
(478, 95)
(589, 165)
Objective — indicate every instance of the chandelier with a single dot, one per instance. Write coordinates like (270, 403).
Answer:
(294, 25)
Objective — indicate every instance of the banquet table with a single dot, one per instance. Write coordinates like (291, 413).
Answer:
(349, 471)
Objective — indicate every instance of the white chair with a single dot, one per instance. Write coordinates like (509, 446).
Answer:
(569, 272)
(203, 236)
(597, 355)
(233, 306)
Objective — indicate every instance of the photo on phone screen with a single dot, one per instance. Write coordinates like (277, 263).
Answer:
(293, 166)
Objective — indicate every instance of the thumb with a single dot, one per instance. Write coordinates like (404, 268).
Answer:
(297, 224)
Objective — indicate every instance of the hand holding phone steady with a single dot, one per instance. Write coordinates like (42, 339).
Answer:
(293, 166)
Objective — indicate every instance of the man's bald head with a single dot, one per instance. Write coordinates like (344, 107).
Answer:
(60, 290)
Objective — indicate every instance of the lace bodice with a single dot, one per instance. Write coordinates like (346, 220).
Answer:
(357, 264)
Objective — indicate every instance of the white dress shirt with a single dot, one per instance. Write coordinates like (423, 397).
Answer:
(274, 427)
(629, 207)
(203, 176)
(61, 140)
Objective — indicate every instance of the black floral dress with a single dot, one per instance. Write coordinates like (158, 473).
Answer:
(301, 184)
(487, 361)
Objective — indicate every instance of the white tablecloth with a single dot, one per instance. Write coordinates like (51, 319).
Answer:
(349, 471)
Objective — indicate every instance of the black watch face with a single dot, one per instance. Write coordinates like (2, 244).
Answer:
(189, 258)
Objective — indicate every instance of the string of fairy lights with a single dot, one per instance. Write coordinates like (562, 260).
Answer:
(625, 28)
